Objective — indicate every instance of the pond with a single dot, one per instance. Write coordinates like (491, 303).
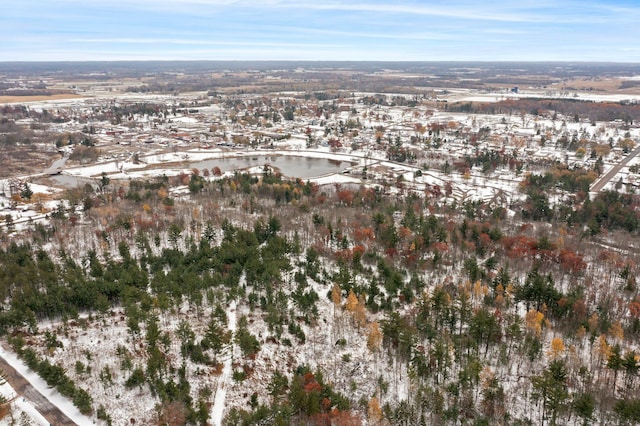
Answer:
(290, 166)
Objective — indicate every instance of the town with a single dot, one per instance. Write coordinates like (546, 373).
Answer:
(322, 243)
(411, 142)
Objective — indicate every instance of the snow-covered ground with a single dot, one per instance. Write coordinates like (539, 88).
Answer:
(217, 410)
(20, 409)
(64, 404)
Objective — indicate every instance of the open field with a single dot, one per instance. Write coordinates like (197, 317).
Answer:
(27, 99)
(603, 85)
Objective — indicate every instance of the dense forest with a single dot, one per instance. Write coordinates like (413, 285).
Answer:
(579, 109)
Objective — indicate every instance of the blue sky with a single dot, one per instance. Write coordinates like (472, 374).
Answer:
(392, 30)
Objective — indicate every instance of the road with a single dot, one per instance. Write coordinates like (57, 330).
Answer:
(25, 390)
(600, 183)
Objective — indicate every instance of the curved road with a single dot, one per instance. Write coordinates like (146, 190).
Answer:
(600, 183)
(24, 389)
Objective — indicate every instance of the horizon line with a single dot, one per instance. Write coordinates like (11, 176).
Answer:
(489, 61)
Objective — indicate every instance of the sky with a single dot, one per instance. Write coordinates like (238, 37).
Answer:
(358, 30)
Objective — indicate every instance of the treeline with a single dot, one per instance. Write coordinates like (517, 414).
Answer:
(593, 111)
(29, 92)
(54, 375)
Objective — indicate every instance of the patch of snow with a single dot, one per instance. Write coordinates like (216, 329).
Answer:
(19, 407)
(217, 411)
(65, 405)
(337, 178)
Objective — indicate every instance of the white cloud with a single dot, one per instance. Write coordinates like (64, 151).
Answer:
(320, 29)
(500, 11)
(368, 34)
(194, 42)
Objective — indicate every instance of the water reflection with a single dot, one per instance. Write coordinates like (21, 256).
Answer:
(295, 167)
(290, 166)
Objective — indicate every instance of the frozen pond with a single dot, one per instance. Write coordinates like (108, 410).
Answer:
(290, 166)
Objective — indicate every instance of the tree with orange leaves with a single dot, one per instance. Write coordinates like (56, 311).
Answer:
(534, 320)
(374, 338)
(352, 301)
(374, 411)
(557, 348)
